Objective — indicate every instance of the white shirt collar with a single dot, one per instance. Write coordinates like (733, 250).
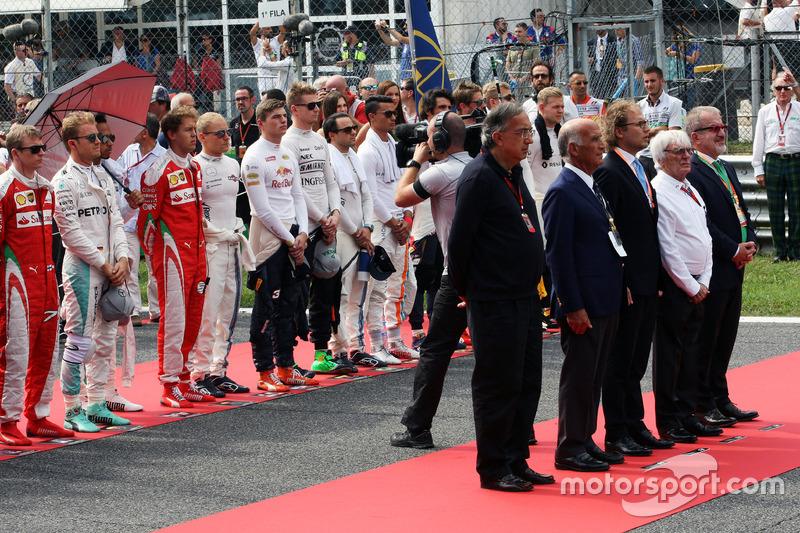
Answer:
(586, 178)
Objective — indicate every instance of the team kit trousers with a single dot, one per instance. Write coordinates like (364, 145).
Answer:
(446, 326)
(388, 301)
(28, 331)
(220, 309)
(181, 277)
(90, 339)
(133, 278)
(324, 299)
(349, 334)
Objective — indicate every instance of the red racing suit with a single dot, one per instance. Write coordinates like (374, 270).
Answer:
(171, 232)
(28, 297)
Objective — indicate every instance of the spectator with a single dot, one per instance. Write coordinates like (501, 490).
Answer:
(603, 63)
(521, 55)
(272, 59)
(490, 94)
(587, 106)
(781, 23)
(660, 110)
(37, 53)
(501, 35)
(541, 76)
(208, 62)
(539, 32)
(20, 74)
(468, 97)
(393, 37)
(338, 83)
(750, 26)
(115, 49)
(686, 255)
(355, 55)
(623, 65)
(159, 102)
(408, 101)
(687, 55)
(149, 59)
(69, 52)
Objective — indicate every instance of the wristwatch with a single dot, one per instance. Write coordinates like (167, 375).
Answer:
(414, 164)
(369, 227)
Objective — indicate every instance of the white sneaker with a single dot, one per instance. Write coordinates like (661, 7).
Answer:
(401, 351)
(115, 402)
(383, 355)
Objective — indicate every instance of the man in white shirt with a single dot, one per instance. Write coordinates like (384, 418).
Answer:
(224, 237)
(686, 250)
(389, 300)
(491, 98)
(776, 149)
(20, 73)
(273, 71)
(588, 106)
(661, 111)
(781, 23)
(115, 50)
(321, 193)
(353, 239)
(542, 76)
(749, 21)
(278, 235)
(438, 183)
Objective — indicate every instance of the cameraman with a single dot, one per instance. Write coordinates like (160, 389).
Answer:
(445, 148)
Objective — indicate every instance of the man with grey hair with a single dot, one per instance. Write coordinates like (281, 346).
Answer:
(495, 263)
(686, 257)
(777, 135)
(733, 237)
(179, 100)
(585, 254)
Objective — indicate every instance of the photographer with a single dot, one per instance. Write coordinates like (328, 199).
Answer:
(445, 148)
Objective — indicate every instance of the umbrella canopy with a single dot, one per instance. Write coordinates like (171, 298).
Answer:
(121, 91)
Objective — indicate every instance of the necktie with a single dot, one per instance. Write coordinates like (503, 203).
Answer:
(637, 165)
(599, 194)
(720, 169)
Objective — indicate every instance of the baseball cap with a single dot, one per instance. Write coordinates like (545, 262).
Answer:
(326, 263)
(160, 94)
(350, 29)
(116, 304)
(380, 266)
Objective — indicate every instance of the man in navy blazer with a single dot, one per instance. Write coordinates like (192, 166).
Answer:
(733, 240)
(586, 269)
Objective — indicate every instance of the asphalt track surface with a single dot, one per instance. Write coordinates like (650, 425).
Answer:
(172, 473)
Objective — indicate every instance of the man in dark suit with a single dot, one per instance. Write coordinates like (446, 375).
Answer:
(622, 179)
(603, 64)
(495, 262)
(733, 241)
(586, 268)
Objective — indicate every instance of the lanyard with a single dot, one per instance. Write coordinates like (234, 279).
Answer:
(517, 194)
(734, 196)
(685, 188)
(243, 135)
(785, 119)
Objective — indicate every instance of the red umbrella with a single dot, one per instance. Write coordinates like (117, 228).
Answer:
(121, 91)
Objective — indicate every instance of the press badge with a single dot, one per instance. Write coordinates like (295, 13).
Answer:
(616, 242)
(242, 150)
(528, 222)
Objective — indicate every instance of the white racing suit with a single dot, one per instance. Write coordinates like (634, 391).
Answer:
(92, 232)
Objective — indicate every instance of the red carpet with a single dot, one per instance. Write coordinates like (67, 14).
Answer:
(441, 489)
(146, 391)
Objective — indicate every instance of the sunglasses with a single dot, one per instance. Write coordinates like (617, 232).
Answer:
(145, 40)
(580, 82)
(92, 137)
(784, 87)
(35, 149)
(105, 138)
(717, 129)
(509, 98)
(370, 87)
(478, 102)
(311, 105)
(540, 76)
(680, 151)
(388, 113)
(347, 129)
(220, 133)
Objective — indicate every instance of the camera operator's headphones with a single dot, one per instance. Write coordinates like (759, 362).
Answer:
(441, 138)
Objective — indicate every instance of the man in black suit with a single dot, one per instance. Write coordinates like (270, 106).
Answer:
(603, 64)
(584, 253)
(633, 201)
(495, 262)
(733, 241)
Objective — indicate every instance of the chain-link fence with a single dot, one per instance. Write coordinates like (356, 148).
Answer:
(211, 47)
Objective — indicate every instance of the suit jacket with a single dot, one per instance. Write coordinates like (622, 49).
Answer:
(636, 222)
(723, 223)
(585, 268)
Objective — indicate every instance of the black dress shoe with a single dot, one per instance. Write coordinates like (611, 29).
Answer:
(678, 435)
(536, 478)
(648, 440)
(627, 446)
(406, 439)
(532, 439)
(734, 412)
(508, 483)
(583, 462)
(715, 419)
(692, 425)
(612, 458)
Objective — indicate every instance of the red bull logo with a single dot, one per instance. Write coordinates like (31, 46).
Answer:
(284, 172)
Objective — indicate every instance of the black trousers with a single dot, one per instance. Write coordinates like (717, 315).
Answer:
(717, 338)
(675, 357)
(429, 275)
(444, 330)
(581, 382)
(506, 382)
(627, 363)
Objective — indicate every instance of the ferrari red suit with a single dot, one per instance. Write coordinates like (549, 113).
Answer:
(28, 297)
(171, 232)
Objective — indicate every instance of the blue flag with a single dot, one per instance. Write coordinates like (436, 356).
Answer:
(429, 70)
